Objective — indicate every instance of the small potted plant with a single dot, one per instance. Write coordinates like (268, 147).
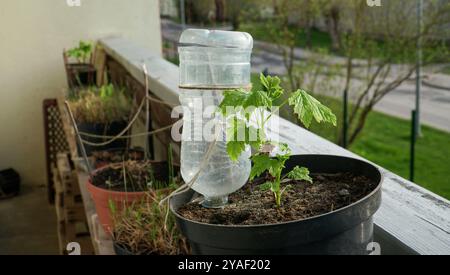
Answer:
(79, 65)
(100, 112)
(145, 228)
(118, 185)
(302, 204)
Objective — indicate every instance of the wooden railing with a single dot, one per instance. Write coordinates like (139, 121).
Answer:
(411, 220)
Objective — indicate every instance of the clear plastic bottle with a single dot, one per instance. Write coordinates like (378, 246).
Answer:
(210, 63)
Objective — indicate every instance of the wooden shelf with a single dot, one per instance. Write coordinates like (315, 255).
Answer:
(101, 242)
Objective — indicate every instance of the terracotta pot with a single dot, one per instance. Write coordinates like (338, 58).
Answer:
(103, 197)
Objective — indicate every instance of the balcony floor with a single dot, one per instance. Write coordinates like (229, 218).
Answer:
(18, 235)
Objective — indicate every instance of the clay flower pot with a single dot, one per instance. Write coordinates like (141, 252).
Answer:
(103, 198)
(107, 200)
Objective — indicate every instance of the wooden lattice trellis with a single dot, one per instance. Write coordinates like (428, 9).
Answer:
(55, 140)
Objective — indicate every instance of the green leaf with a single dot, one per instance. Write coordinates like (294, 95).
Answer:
(112, 207)
(278, 165)
(299, 173)
(254, 137)
(261, 164)
(233, 98)
(241, 98)
(264, 81)
(238, 130)
(235, 149)
(258, 99)
(271, 86)
(307, 108)
(265, 186)
(284, 148)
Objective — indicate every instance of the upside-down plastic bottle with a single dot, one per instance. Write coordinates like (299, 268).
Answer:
(210, 63)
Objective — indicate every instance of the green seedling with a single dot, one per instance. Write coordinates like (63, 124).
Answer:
(81, 53)
(248, 113)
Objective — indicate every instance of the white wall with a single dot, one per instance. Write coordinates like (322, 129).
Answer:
(32, 36)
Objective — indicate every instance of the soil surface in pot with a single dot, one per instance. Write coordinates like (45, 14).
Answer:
(138, 175)
(251, 206)
(116, 156)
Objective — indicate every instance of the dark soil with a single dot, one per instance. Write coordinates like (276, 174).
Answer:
(140, 176)
(117, 155)
(251, 206)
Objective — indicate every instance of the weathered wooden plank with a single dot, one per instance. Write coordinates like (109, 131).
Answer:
(102, 242)
(67, 126)
(416, 217)
(411, 219)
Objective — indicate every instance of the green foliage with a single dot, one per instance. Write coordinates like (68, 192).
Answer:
(81, 53)
(235, 149)
(299, 173)
(240, 134)
(258, 103)
(271, 86)
(307, 108)
(233, 98)
(105, 105)
(319, 39)
(261, 164)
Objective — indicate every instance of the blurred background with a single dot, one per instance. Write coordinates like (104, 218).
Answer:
(373, 64)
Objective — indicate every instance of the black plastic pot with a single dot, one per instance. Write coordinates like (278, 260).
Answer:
(121, 251)
(345, 231)
(81, 75)
(111, 129)
(9, 183)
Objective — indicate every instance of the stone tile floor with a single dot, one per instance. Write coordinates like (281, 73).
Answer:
(28, 224)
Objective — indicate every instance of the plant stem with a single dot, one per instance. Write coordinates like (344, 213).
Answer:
(277, 189)
(277, 108)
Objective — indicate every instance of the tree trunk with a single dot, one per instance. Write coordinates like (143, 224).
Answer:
(220, 11)
(333, 21)
(308, 24)
(275, 7)
(360, 126)
(308, 35)
(191, 15)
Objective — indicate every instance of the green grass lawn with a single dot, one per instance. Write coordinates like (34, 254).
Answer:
(386, 141)
(319, 39)
(446, 70)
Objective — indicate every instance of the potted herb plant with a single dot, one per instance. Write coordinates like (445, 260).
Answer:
(145, 228)
(101, 111)
(302, 204)
(79, 65)
(119, 185)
